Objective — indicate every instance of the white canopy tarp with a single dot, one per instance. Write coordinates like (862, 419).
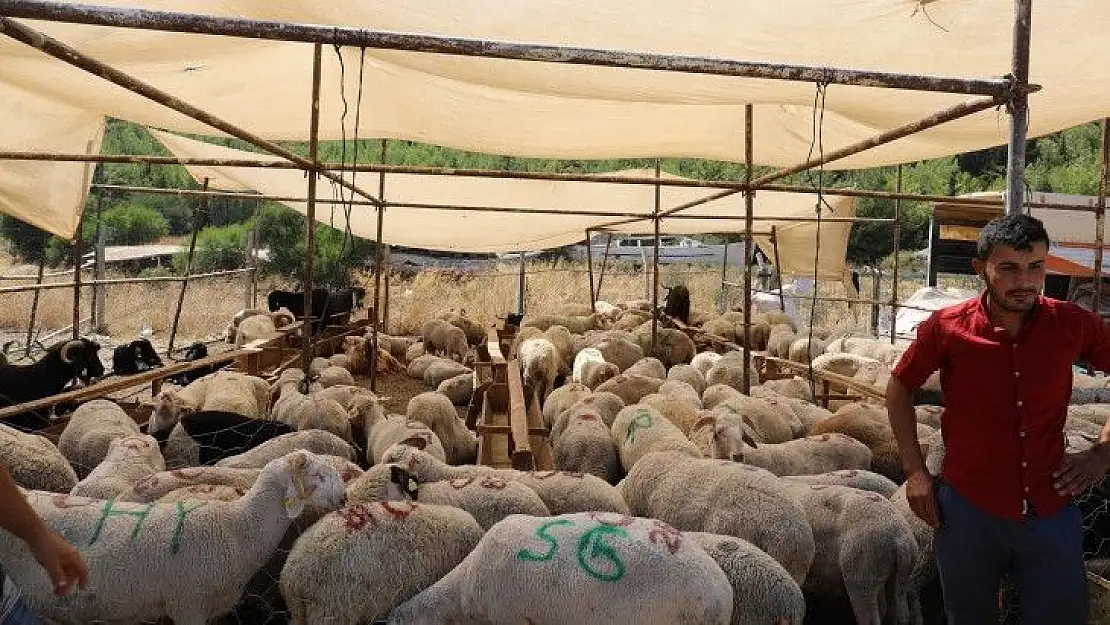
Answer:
(551, 110)
(482, 231)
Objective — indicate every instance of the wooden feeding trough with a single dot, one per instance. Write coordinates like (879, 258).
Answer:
(504, 413)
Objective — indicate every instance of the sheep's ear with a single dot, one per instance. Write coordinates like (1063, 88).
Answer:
(747, 438)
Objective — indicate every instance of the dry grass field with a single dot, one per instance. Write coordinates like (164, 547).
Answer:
(210, 302)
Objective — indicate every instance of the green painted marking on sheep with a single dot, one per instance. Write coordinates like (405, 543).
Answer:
(140, 513)
(593, 545)
(641, 421)
(541, 533)
(181, 511)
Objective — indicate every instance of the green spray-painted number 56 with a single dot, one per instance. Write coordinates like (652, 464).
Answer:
(591, 546)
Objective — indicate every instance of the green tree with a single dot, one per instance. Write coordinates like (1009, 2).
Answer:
(126, 224)
(218, 248)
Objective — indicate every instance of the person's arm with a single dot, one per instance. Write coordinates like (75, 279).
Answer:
(1079, 471)
(62, 562)
(919, 362)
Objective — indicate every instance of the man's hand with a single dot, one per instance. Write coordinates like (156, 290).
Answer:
(921, 494)
(1079, 471)
(60, 559)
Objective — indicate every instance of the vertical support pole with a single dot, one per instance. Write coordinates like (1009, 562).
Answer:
(100, 324)
(1100, 215)
(604, 262)
(590, 270)
(248, 277)
(897, 249)
(722, 299)
(375, 323)
(655, 265)
(749, 208)
(35, 297)
(199, 217)
(778, 273)
(520, 286)
(385, 287)
(934, 234)
(1019, 108)
(876, 287)
(78, 260)
(310, 215)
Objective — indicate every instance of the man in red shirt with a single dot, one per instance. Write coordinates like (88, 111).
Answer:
(1002, 503)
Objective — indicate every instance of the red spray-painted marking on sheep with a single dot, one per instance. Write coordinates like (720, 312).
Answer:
(146, 484)
(622, 520)
(460, 483)
(493, 482)
(669, 536)
(355, 517)
(66, 501)
(187, 473)
(398, 510)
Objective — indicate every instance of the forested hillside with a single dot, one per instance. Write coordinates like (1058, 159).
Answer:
(1067, 162)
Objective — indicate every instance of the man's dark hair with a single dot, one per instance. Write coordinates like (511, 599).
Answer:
(1019, 231)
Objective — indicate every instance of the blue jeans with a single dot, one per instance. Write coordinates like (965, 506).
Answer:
(1043, 557)
(14, 609)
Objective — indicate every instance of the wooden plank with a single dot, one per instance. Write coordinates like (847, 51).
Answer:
(119, 383)
(506, 429)
(518, 419)
(543, 456)
(849, 383)
(493, 347)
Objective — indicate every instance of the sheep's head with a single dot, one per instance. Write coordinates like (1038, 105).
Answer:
(731, 440)
(402, 485)
(83, 356)
(310, 482)
(169, 407)
(136, 446)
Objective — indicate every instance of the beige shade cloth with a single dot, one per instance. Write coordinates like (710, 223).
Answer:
(480, 231)
(559, 111)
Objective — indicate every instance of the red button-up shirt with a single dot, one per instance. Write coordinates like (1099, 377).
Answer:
(1005, 398)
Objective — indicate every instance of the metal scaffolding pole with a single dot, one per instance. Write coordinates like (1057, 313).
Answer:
(199, 217)
(128, 17)
(377, 278)
(310, 219)
(1100, 216)
(749, 207)
(1019, 108)
(655, 267)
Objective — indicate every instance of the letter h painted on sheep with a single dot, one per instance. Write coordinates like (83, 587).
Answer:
(141, 513)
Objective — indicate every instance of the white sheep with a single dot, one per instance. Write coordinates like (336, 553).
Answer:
(690, 375)
(679, 411)
(384, 432)
(580, 441)
(440, 337)
(228, 391)
(437, 412)
(803, 456)
(606, 404)
(459, 389)
(315, 441)
(763, 592)
(129, 460)
(852, 478)
(189, 561)
(581, 359)
(723, 497)
(865, 549)
(768, 424)
(356, 564)
(488, 498)
(630, 387)
(704, 361)
(332, 375)
(442, 370)
(716, 393)
(562, 398)
(34, 462)
(90, 430)
(594, 568)
(562, 492)
(649, 366)
(640, 429)
(253, 328)
(620, 351)
(539, 366)
(305, 412)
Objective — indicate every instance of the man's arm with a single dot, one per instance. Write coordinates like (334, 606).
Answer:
(61, 561)
(16, 515)
(923, 357)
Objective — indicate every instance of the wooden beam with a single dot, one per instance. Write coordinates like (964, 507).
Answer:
(518, 420)
(119, 383)
(850, 383)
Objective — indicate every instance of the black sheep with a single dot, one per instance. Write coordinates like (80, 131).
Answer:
(324, 303)
(63, 362)
(135, 357)
(196, 351)
(678, 304)
(221, 434)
